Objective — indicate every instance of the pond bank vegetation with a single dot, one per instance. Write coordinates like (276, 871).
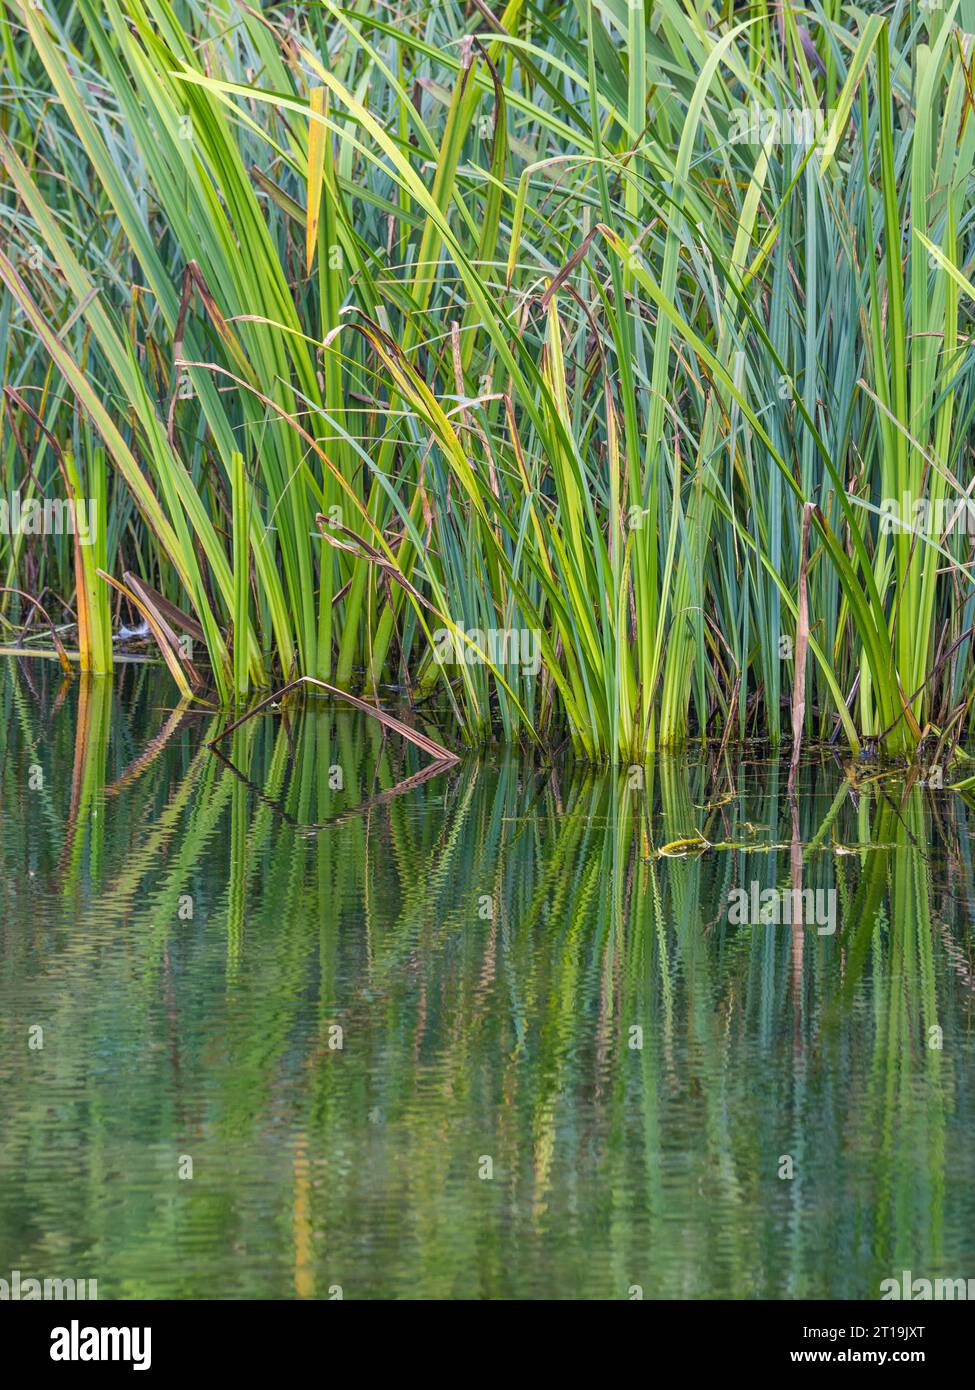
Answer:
(543, 361)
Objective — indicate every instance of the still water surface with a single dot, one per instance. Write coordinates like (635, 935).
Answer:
(473, 1038)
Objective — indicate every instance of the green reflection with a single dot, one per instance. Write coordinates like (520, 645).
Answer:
(514, 973)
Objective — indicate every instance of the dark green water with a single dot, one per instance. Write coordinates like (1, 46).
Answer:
(487, 941)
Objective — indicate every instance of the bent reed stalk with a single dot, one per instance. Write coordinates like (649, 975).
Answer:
(612, 329)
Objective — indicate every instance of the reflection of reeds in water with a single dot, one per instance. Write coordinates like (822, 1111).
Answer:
(469, 1032)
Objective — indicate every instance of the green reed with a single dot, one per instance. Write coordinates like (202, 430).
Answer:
(554, 324)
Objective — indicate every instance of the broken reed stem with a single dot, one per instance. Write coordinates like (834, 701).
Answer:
(435, 750)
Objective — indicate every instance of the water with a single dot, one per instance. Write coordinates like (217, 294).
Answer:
(490, 942)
